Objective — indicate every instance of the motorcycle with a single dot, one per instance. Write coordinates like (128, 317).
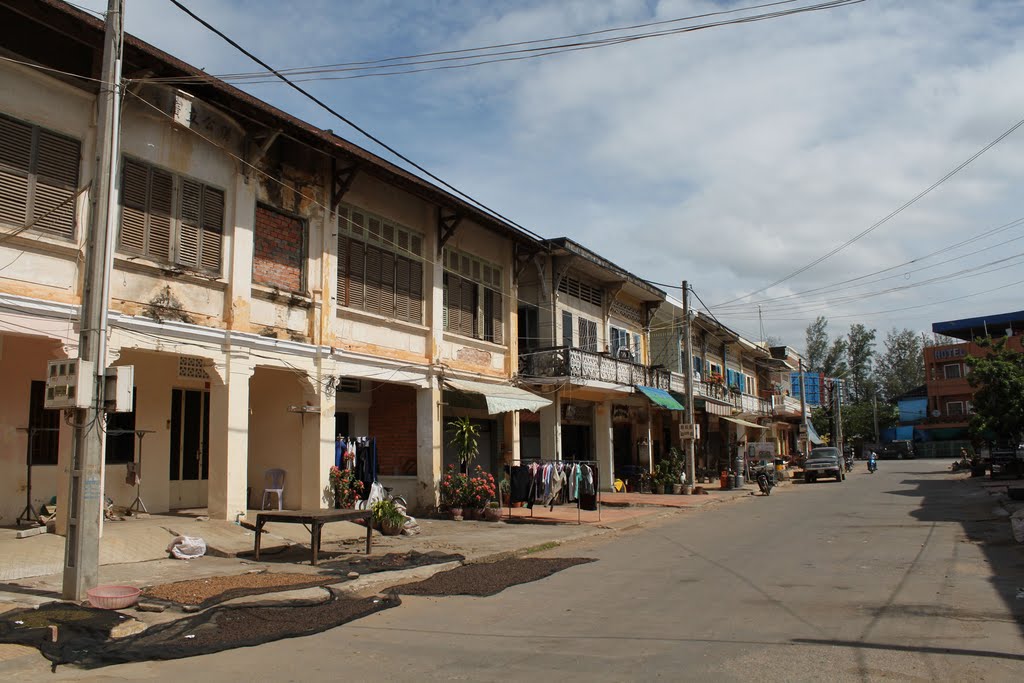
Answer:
(765, 482)
(848, 464)
(872, 464)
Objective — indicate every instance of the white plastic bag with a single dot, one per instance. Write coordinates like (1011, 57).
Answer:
(187, 547)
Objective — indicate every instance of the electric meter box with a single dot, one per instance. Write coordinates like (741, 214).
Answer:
(119, 389)
(69, 383)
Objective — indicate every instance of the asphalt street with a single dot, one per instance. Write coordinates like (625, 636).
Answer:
(906, 574)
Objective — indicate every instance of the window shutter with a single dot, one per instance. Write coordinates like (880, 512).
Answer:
(356, 271)
(160, 213)
(373, 293)
(342, 270)
(212, 237)
(567, 329)
(494, 316)
(134, 194)
(446, 305)
(415, 292)
(387, 283)
(56, 181)
(403, 304)
(15, 160)
(468, 308)
(188, 230)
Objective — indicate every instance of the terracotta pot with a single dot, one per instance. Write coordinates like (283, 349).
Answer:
(492, 514)
(677, 489)
(659, 489)
(518, 504)
(391, 529)
(456, 514)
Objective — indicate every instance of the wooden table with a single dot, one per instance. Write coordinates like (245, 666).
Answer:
(316, 520)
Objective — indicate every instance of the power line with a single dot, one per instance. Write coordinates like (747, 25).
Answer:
(884, 220)
(349, 122)
(487, 55)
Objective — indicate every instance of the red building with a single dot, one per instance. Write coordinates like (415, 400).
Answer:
(950, 394)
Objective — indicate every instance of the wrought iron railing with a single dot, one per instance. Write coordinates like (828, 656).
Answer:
(564, 361)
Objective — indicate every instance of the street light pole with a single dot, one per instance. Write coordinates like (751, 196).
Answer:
(85, 510)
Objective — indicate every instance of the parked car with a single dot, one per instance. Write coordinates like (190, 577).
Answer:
(1007, 462)
(897, 450)
(823, 462)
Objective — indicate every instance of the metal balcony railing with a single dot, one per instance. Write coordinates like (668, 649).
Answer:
(564, 361)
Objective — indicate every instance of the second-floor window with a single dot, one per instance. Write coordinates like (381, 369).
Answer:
(587, 335)
(955, 408)
(279, 250)
(567, 329)
(170, 218)
(735, 379)
(951, 371)
(380, 266)
(473, 299)
(38, 178)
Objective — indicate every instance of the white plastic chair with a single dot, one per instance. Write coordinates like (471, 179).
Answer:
(273, 480)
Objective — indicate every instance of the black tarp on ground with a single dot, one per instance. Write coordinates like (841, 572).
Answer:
(490, 578)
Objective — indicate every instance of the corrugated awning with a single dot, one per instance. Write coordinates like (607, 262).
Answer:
(660, 397)
(500, 398)
(743, 422)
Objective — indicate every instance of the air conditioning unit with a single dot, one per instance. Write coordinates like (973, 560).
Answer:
(69, 384)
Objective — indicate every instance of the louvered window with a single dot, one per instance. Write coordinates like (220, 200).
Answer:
(473, 301)
(38, 178)
(170, 218)
(581, 290)
(379, 266)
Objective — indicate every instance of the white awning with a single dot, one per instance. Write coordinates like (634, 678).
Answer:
(500, 398)
(743, 422)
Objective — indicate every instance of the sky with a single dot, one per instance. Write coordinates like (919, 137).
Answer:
(730, 157)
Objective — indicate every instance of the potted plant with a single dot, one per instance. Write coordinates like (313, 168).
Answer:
(347, 489)
(454, 489)
(480, 491)
(465, 438)
(388, 517)
(505, 490)
(492, 513)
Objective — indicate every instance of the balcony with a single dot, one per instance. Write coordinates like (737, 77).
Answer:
(563, 361)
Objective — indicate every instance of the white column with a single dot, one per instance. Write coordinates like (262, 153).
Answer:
(511, 447)
(240, 251)
(603, 443)
(317, 450)
(229, 438)
(429, 435)
(551, 429)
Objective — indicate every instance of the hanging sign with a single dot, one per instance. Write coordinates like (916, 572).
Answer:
(689, 431)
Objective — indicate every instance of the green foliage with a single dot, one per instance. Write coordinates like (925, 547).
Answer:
(998, 377)
(385, 511)
(860, 352)
(900, 367)
(670, 469)
(464, 440)
(817, 342)
(859, 420)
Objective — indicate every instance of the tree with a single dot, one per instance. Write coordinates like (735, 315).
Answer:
(859, 419)
(998, 377)
(822, 354)
(900, 367)
(817, 343)
(860, 352)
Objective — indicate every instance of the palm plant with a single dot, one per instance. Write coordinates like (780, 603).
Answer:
(465, 437)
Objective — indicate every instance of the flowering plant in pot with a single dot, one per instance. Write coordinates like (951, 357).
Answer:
(347, 489)
(480, 490)
(454, 491)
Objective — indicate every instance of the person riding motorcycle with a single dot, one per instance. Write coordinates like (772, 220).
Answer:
(848, 462)
(872, 462)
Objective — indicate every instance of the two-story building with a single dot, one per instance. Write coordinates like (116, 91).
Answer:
(274, 287)
(945, 371)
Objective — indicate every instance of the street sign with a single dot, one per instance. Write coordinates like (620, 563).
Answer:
(689, 431)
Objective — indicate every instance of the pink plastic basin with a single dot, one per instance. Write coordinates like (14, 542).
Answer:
(113, 597)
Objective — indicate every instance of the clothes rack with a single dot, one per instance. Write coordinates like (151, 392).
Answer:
(29, 514)
(358, 453)
(595, 469)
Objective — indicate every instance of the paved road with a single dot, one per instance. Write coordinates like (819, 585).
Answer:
(883, 577)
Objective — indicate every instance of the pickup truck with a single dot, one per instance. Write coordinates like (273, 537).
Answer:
(823, 462)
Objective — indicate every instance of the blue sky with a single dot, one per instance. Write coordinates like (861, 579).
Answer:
(729, 157)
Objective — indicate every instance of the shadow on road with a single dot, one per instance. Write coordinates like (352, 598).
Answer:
(893, 647)
(972, 504)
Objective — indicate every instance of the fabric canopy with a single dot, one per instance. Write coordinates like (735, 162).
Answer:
(743, 422)
(812, 435)
(660, 397)
(500, 398)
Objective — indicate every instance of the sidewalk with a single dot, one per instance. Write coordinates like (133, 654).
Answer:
(133, 552)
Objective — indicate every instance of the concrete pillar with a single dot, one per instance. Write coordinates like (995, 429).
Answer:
(647, 452)
(229, 438)
(510, 447)
(240, 251)
(603, 443)
(551, 429)
(429, 442)
(317, 450)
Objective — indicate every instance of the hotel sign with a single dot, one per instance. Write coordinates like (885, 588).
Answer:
(949, 354)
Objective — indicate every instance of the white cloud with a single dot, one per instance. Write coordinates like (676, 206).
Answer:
(729, 156)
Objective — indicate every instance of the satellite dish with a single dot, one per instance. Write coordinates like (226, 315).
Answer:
(936, 413)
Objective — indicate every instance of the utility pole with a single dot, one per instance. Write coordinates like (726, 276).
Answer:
(691, 470)
(803, 405)
(85, 512)
(839, 415)
(874, 414)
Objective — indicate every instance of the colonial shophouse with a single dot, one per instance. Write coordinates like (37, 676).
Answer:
(274, 286)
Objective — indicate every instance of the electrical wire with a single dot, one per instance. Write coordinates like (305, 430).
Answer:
(351, 123)
(886, 219)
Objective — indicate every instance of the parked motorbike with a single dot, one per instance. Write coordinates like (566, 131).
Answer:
(765, 482)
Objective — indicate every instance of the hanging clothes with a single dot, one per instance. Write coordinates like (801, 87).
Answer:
(520, 485)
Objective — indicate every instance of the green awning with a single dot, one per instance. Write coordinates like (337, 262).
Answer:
(660, 397)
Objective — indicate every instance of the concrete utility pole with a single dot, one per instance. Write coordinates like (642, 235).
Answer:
(803, 406)
(691, 470)
(839, 414)
(85, 512)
